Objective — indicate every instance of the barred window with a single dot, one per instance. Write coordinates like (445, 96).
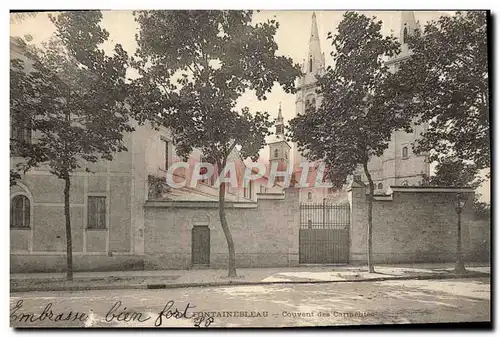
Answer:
(96, 212)
(20, 212)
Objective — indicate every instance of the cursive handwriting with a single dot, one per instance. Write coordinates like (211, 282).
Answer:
(124, 315)
(169, 312)
(47, 313)
(117, 313)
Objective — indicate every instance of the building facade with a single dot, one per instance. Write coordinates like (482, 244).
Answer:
(398, 165)
(106, 200)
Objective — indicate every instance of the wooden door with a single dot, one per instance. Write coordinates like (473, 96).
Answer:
(200, 246)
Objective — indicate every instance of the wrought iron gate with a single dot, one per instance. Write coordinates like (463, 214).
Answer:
(324, 233)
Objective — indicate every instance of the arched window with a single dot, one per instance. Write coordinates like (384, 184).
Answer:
(405, 35)
(380, 186)
(20, 212)
(276, 153)
(405, 152)
(310, 64)
(309, 196)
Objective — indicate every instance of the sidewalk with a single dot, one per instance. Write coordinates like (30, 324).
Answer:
(161, 279)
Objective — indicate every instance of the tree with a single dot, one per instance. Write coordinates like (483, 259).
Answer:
(445, 83)
(19, 17)
(72, 100)
(352, 124)
(194, 65)
(456, 173)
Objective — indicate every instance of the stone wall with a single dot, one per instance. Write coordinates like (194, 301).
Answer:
(42, 246)
(265, 233)
(416, 225)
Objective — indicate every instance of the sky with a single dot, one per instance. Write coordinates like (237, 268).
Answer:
(292, 38)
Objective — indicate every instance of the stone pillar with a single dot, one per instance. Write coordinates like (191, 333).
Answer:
(293, 214)
(359, 222)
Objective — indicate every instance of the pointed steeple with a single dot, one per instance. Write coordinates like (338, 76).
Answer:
(408, 26)
(280, 125)
(315, 59)
(314, 29)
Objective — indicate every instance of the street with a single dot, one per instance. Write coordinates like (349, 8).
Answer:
(344, 303)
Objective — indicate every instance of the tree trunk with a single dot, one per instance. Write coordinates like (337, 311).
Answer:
(69, 243)
(460, 266)
(371, 268)
(231, 265)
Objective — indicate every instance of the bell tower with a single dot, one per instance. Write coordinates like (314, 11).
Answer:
(407, 27)
(279, 150)
(306, 96)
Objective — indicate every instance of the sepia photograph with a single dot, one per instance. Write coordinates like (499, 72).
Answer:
(250, 168)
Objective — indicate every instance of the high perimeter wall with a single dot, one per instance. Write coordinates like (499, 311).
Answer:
(417, 224)
(265, 233)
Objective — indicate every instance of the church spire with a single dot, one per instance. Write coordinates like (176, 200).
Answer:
(408, 26)
(280, 125)
(315, 59)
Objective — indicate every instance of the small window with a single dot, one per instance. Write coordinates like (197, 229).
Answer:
(203, 170)
(310, 64)
(20, 212)
(309, 196)
(405, 152)
(405, 34)
(96, 213)
(276, 153)
(404, 183)
(309, 223)
(380, 186)
(165, 154)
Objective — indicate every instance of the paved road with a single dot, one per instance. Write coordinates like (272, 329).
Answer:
(388, 302)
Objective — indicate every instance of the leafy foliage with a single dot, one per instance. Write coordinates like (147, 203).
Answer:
(193, 66)
(19, 17)
(352, 124)
(445, 82)
(73, 98)
(455, 173)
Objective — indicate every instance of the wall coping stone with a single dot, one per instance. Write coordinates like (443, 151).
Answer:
(197, 204)
(270, 196)
(429, 189)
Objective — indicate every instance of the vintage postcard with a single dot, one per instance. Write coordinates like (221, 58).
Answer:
(207, 169)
